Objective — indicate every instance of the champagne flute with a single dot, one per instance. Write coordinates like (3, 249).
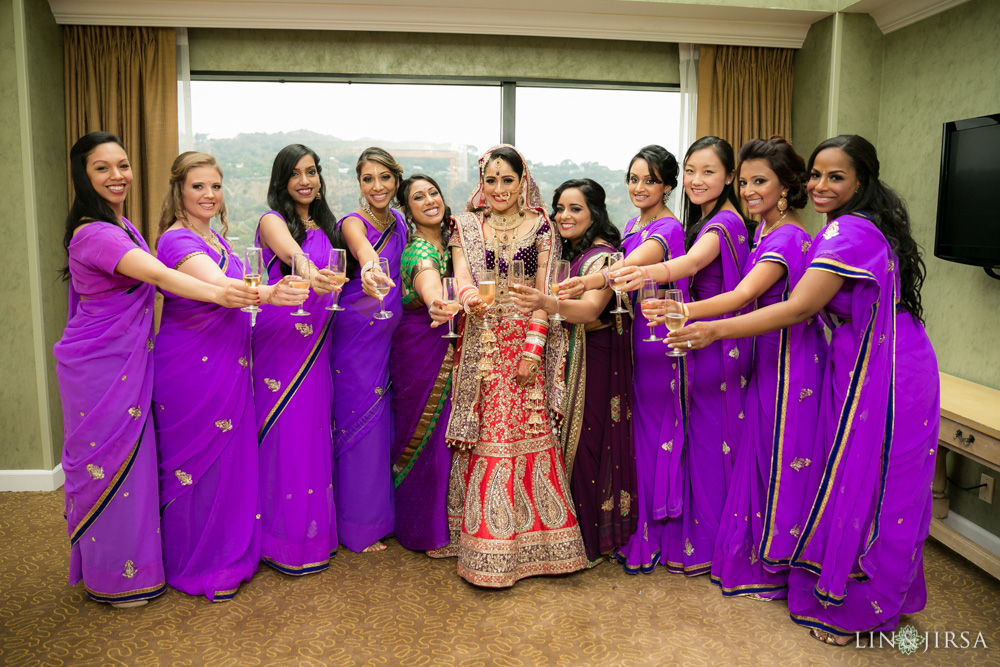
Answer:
(676, 318)
(383, 290)
(449, 295)
(252, 272)
(560, 272)
(337, 264)
(649, 295)
(617, 257)
(299, 277)
(487, 291)
(516, 278)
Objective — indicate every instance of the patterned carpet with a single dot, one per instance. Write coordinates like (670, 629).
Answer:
(402, 608)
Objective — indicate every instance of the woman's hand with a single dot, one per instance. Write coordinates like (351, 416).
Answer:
(572, 288)
(334, 279)
(655, 311)
(236, 295)
(283, 294)
(527, 371)
(628, 278)
(693, 337)
(528, 299)
(321, 283)
(475, 306)
(372, 279)
(438, 313)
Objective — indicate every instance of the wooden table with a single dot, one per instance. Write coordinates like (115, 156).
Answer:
(970, 427)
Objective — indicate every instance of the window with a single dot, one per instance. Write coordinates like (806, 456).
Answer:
(438, 129)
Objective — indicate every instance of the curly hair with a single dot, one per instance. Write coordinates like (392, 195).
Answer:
(384, 158)
(884, 207)
(173, 204)
(787, 165)
(600, 222)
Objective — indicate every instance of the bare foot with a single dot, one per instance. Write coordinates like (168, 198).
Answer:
(372, 548)
(129, 605)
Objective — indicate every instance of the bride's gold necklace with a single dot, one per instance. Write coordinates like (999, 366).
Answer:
(503, 225)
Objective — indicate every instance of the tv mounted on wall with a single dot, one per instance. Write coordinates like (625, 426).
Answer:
(968, 217)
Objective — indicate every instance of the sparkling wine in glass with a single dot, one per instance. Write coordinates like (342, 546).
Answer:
(449, 295)
(617, 257)
(299, 277)
(337, 264)
(648, 296)
(516, 278)
(383, 290)
(253, 270)
(560, 272)
(487, 291)
(675, 316)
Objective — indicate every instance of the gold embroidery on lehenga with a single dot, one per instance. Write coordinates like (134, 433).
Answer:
(273, 385)
(551, 509)
(626, 503)
(305, 329)
(725, 448)
(796, 530)
(688, 548)
(734, 353)
(723, 387)
(668, 446)
(645, 532)
(832, 230)
(379, 391)
(878, 610)
(616, 408)
(135, 413)
(524, 517)
(499, 512)
(149, 344)
(183, 478)
(798, 464)
(806, 245)
(129, 570)
(456, 486)
(673, 385)
(608, 505)
(96, 472)
(224, 425)
(805, 393)
(743, 382)
(243, 362)
(742, 238)
(93, 444)
(473, 493)
(204, 359)
(740, 416)
(124, 377)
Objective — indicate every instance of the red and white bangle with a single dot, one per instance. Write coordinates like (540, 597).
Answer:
(667, 267)
(466, 293)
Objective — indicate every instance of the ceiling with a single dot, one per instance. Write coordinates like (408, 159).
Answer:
(746, 22)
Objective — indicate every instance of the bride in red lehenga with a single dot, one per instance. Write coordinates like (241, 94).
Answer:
(509, 508)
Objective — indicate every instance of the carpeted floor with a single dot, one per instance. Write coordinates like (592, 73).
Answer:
(402, 608)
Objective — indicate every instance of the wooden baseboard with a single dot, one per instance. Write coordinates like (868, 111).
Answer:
(965, 547)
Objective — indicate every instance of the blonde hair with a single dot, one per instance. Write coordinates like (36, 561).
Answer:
(173, 203)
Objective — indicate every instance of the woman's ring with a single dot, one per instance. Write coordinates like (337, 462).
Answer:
(689, 345)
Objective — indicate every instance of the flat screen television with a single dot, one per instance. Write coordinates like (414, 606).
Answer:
(968, 221)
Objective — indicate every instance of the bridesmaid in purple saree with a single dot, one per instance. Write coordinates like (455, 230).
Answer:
(421, 395)
(659, 400)
(717, 249)
(292, 384)
(363, 481)
(207, 439)
(105, 370)
(858, 564)
(755, 537)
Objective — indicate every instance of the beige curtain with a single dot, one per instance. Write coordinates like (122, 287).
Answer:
(744, 93)
(123, 80)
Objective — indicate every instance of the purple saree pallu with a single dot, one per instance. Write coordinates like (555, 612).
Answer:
(293, 392)
(105, 370)
(363, 434)
(596, 436)
(769, 489)
(206, 433)
(420, 366)
(858, 564)
(718, 386)
(659, 415)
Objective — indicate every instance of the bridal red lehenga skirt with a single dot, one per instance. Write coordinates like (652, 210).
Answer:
(509, 508)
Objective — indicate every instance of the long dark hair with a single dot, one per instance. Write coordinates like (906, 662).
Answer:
(600, 223)
(787, 165)
(87, 204)
(403, 198)
(880, 203)
(693, 219)
(281, 201)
